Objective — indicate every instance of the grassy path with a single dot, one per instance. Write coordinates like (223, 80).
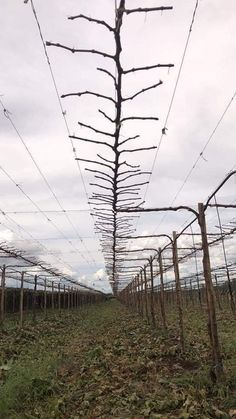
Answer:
(105, 362)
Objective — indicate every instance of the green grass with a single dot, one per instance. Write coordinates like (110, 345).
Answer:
(104, 361)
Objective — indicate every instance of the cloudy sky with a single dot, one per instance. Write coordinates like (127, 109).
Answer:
(206, 86)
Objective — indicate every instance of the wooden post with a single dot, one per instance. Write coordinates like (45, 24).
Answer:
(52, 296)
(139, 294)
(162, 294)
(145, 293)
(13, 301)
(191, 293)
(45, 298)
(142, 293)
(59, 297)
(217, 293)
(3, 283)
(152, 292)
(21, 299)
(64, 297)
(217, 367)
(68, 301)
(34, 298)
(178, 289)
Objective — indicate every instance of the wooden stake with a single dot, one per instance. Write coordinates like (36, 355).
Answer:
(3, 282)
(145, 293)
(59, 297)
(52, 296)
(45, 297)
(34, 298)
(21, 299)
(178, 289)
(152, 292)
(162, 294)
(217, 367)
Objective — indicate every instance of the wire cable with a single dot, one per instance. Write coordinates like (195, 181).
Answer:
(8, 116)
(63, 113)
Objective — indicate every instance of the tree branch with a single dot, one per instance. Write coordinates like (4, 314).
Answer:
(150, 67)
(106, 116)
(87, 92)
(95, 162)
(141, 118)
(131, 186)
(73, 50)
(147, 9)
(103, 70)
(138, 149)
(90, 19)
(91, 141)
(129, 139)
(142, 91)
(95, 129)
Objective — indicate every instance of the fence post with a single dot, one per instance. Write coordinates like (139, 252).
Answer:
(34, 298)
(152, 291)
(3, 281)
(162, 294)
(45, 298)
(68, 301)
(145, 293)
(139, 295)
(178, 289)
(64, 297)
(217, 368)
(59, 297)
(217, 293)
(21, 299)
(53, 305)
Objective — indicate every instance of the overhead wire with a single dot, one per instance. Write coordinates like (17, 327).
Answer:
(173, 95)
(229, 103)
(10, 119)
(163, 132)
(42, 246)
(63, 113)
(41, 212)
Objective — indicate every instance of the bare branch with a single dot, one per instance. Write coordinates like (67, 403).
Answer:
(95, 129)
(141, 118)
(95, 162)
(147, 9)
(100, 186)
(129, 139)
(135, 174)
(91, 141)
(131, 186)
(129, 165)
(98, 171)
(103, 70)
(87, 92)
(138, 149)
(181, 207)
(102, 178)
(150, 67)
(106, 116)
(143, 90)
(104, 159)
(73, 50)
(90, 19)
